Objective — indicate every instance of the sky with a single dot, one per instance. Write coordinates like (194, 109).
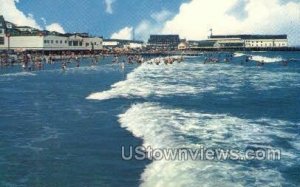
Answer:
(192, 19)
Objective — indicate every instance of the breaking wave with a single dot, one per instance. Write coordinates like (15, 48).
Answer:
(193, 78)
(163, 127)
(266, 59)
(159, 80)
(260, 58)
(18, 74)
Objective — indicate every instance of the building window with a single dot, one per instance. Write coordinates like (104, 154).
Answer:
(60, 41)
(80, 43)
(75, 43)
(1, 31)
(65, 41)
(70, 43)
(56, 41)
(52, 41)
(1, 40)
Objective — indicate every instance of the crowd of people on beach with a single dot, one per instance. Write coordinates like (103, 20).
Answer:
(138, 59)
(36, 61)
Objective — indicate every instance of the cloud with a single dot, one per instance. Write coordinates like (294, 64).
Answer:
(125, 33)
(11, 13)
(154, 26)
(108, 4)
(44, 21)
(146, 28)
(55, 27)
(196, 17)
(161, 16)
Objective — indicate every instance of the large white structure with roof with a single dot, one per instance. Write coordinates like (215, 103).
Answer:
(22, 38)
(251, 41)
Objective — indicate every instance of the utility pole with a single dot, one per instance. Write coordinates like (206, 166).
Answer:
(211, 32)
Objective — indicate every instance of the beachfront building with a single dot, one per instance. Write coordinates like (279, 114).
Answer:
(122, 44)
(82, 41)
(52, 41)
(21, 38)
(250, 41)
(2, 32)
(110, 44)
(167, 42)
(203, 44)
(134, 44)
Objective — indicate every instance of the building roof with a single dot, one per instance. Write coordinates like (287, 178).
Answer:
(249, 36)
(2, 23)
(25, 27)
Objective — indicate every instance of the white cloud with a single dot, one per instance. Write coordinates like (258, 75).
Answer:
(11, 13)
(161, 16)
(108, 4)
(196, 17)
(55, 27)
(44, 21)
(145, 28)
(125, 33)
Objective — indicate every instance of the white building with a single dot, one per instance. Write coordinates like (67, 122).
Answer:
(55, 42)
(251, 41)
(93, 43)
(134, 45)
(126, 44)
(28, 38)
(110, 44)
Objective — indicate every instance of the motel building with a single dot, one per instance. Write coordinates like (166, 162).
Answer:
(21, 38)
(250, 41)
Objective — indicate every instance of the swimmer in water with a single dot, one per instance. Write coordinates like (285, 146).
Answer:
(64, 66)
(123, 65)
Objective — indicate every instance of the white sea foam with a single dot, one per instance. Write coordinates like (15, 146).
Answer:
(191, 78)
(159, 80)
(265, 59)
(238, 54)
(18, 74)
(163, 127)
(260, 58)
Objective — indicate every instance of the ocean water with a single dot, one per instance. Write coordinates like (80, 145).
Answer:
(67, 128)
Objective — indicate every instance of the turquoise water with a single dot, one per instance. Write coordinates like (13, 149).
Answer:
(67, 128)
